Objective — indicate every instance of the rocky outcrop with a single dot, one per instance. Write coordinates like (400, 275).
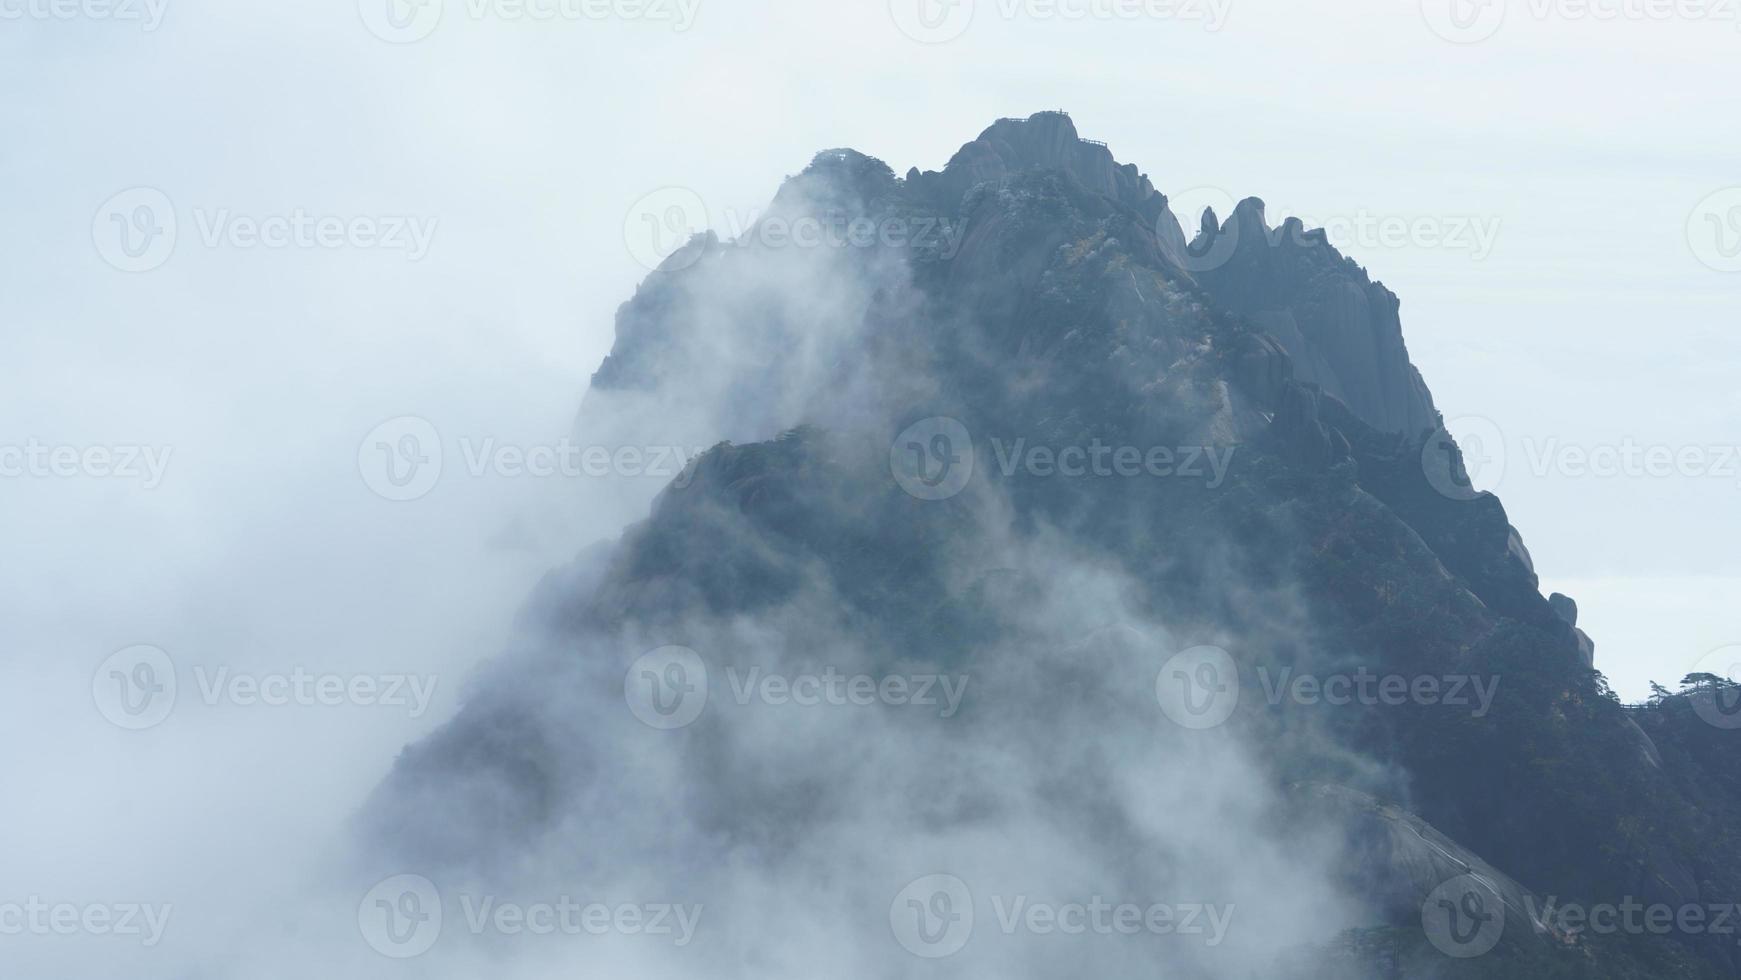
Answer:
(1401, 862)
(1043, 141)
(1343, 532)
(1565, 607)
(1343, 330)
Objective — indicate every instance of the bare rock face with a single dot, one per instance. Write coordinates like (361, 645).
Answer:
(1048, 141)
(1565, 607)
(1406, 863)
(1343, 330)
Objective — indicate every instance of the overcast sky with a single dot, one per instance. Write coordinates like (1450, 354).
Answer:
(1553, 194)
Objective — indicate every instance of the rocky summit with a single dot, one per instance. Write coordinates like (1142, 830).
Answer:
(1057, 546)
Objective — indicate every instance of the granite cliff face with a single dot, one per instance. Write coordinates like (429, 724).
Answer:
(1342, 330)
(1041, 295)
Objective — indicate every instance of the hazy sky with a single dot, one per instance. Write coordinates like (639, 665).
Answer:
(1538, 188)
